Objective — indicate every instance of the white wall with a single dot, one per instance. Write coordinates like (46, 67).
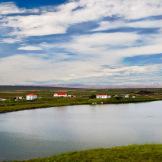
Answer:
(29, 98)
(103, 97)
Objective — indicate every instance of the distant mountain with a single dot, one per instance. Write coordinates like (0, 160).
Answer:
(73, 86)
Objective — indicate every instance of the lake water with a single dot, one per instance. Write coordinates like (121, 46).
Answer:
(44, 132)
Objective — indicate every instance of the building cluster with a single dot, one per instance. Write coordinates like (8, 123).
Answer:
(64, 94)
(31, 97)
(106, 96)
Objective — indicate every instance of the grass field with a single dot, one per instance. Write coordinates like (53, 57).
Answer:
(133, 153)
(83, 96)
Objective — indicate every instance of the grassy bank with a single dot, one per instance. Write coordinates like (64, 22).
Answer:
(83, 96)
(133, 153)
(45, 103)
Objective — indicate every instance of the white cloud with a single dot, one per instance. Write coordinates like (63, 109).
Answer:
(136, 51)
(138, 9)
(9, 8)
(109, 39)
(97, 47)
(62, 17)
(146, 24)
(111, 48)
(46, 23)
(107, 25)
(21, 69)
(30, 48)
(10, 40)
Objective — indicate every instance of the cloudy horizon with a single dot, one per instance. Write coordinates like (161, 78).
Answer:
(91, 42)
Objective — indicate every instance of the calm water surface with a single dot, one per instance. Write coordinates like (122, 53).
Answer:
(44, 132)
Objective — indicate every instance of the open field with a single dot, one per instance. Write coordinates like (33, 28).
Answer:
(132, 153)
(83, 96)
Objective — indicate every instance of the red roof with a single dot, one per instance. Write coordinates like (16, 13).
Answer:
(31, 94)
(101, 95)
(61, 93)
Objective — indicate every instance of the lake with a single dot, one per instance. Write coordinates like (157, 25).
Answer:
(44, 132)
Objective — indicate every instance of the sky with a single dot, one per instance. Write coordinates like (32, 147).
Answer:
(81, 42)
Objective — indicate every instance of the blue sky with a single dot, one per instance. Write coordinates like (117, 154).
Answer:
(35, 3)
(91, 42)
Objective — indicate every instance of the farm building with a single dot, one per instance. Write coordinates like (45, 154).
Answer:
(102, 96)
(30, 97)
(127, 96)
(133, 97)
(3, 99)
(60, 94)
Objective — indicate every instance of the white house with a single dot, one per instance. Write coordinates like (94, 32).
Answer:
(133, 97)
(31, 97)
(61, 94)
(102, 96)
(3, 99)
(127, 96)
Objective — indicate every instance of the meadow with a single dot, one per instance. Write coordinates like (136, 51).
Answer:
(83, 96)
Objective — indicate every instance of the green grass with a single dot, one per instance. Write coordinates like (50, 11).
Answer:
(10, 106)
(132, 153)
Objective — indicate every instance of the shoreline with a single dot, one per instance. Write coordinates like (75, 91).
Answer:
(130, 153)
(44, 106)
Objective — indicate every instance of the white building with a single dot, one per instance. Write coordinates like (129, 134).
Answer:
(3, 99)
(127, 96)
(133, 97)
(31, 97)
(102, 96)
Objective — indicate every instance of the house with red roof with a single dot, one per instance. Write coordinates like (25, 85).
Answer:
(103, 96)
(60, 94)
(31, 96)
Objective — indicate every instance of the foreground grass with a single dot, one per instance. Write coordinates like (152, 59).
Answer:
(133, 153)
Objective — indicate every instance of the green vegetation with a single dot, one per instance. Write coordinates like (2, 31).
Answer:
(133, 153)
(84, 96)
